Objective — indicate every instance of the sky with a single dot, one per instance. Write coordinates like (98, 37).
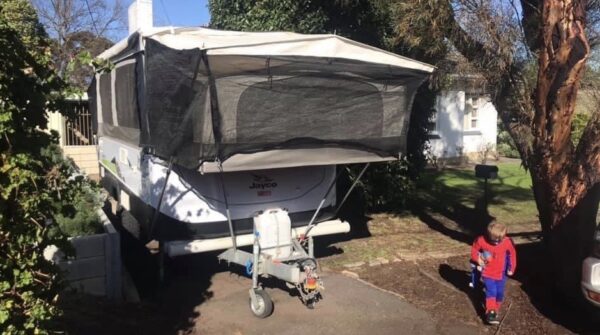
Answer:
(178, 12)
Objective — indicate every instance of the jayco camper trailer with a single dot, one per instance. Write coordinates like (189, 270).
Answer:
(215, 140)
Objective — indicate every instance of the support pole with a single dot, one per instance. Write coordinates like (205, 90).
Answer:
(227, 212)
(354, 183)
(311, 223)
(255, 260)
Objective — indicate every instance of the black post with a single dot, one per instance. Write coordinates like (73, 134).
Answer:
(485, 194)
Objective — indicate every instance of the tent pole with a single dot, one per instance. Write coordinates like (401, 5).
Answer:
(314, 217)
(312, 224)
(227, 212)
(351, 188)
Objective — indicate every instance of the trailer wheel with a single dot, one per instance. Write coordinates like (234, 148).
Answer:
(130, 224)
(264, 303)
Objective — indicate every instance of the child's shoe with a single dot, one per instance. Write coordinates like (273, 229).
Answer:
(491, 318)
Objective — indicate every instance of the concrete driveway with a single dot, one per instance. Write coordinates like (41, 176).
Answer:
(349, 307)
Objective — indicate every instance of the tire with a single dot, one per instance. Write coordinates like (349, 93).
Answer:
(131, 224)
(265, 304)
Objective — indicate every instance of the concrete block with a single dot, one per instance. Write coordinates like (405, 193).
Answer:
(89, 246)
(86, 268)
(114, 268)
(94, 286)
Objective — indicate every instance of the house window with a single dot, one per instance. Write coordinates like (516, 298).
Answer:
(432, 124)
(472, 105)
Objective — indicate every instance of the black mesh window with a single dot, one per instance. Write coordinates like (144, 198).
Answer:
(106, 98)
(333, 108)
(127, 115)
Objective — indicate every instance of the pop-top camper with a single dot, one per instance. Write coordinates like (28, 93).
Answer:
(215, 140)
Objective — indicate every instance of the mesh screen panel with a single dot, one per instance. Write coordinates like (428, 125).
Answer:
(106, 98)
(127, 109)
(332, 108)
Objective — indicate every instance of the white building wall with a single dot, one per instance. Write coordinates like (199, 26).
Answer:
(476, 140)
(448, 138)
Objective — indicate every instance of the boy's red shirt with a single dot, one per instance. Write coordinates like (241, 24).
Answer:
(496, 264)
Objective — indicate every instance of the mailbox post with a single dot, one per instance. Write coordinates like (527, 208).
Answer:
(486, 172)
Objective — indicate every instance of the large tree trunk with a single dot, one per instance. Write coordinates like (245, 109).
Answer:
(569, 242)
(565, 180)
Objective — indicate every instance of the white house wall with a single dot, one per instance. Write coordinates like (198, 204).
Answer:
(448, 138)
(476, 140)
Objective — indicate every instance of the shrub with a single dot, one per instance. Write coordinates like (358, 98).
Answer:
(33, 185)
(506, 146)
(386, 186)
(78, 217)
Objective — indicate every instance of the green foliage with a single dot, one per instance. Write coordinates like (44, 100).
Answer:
(267, 15)
(386, 187)
(362, 20)
(506, 146)
(34, 186)
(77, 217)
(80, 70)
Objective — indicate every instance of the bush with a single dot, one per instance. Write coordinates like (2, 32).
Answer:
(36, 187)
(506, 146)
(81, 218)
(78, 217)
(386, 186)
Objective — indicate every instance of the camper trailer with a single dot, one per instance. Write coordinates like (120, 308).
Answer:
(214, 140)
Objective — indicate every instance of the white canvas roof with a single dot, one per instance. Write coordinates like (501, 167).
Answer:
(218, 42)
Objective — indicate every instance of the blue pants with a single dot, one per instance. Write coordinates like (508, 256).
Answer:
(494, 292)
(475, 275)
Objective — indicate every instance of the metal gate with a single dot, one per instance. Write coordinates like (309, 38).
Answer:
(78, 126)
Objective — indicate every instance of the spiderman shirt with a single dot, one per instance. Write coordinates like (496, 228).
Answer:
(495, 263)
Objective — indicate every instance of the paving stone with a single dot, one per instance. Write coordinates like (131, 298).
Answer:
(350, 274)
(354, 265)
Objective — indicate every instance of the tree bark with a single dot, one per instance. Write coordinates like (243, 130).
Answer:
(565, 180)
(569, 243)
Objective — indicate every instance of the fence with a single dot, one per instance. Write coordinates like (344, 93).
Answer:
(76, 135)
(78, 128)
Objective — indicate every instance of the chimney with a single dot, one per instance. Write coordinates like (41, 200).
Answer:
(140, 15)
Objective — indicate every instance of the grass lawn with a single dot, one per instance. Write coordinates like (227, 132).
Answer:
(441, 219)
(510, 198)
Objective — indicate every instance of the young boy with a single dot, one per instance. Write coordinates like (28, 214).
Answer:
(502, 261)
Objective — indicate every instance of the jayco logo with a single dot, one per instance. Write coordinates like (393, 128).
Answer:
(262, 182)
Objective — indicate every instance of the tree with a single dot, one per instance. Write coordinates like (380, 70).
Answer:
(361, 20)
(34, 185)
(77, 26)
(534, 53)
